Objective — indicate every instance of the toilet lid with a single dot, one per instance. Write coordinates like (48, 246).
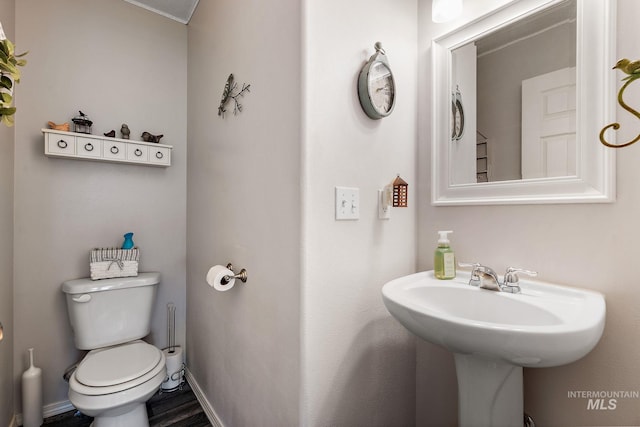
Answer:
(118, 364)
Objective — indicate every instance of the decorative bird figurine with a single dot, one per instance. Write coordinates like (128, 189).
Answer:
(124, 130)
(147, 137)
(110, 134)
(63, 126)
(632, 68)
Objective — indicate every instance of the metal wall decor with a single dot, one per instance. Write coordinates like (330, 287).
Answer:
(632, 69)
(230, 93)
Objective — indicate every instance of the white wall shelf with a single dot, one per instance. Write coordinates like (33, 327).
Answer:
(82, 146)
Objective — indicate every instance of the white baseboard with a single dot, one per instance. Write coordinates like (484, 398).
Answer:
(208, 409)
(57, 408)
(49, 410)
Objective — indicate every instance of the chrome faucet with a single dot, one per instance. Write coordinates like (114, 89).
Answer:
(484, 277)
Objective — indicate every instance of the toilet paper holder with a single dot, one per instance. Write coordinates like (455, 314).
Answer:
(241, 276)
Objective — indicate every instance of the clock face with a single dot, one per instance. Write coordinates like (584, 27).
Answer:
(381, 88)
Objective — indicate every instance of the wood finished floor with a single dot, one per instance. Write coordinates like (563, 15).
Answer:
(176, 409)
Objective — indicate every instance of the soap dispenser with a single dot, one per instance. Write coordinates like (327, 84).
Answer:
(444, 262)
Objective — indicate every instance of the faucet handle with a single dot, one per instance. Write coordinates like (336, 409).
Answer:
(475, 267)
(511, 276)
(471, 265)
(512, 281)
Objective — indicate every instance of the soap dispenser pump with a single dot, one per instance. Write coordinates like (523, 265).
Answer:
(444, 262)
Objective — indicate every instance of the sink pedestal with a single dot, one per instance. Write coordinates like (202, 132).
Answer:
(489, 392)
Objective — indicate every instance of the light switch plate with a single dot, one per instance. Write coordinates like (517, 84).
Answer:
(347, 203)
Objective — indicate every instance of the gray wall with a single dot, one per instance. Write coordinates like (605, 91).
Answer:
(119, 64)
(244, 207)
(587, 245)
(358, 362)
(307, 341)
(7, 139)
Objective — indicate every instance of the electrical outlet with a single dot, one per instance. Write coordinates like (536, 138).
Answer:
(384, 210)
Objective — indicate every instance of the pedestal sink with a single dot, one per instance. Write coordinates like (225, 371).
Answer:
(494, 334)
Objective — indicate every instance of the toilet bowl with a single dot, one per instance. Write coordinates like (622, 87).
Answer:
(121, 372)
(112, 384)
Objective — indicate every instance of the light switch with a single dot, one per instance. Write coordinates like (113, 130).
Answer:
(347, 203)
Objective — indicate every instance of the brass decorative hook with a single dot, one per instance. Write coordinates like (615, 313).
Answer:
(632, 68)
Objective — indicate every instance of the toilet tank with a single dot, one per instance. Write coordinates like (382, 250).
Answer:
(110, 311)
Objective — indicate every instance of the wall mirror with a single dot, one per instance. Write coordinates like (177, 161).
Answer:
(518, 99)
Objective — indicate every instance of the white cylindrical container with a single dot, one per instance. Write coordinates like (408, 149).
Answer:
(175, 368)
(32, 395)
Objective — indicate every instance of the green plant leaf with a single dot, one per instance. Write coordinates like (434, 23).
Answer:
(9, 47)
(9, 76)
(10, 69)
(5, 82)
(7, 119)
(6, 98)
(22, 54)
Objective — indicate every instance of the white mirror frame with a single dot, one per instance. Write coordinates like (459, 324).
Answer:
(595, 91)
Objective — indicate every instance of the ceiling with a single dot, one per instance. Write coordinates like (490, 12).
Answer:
(179, 10)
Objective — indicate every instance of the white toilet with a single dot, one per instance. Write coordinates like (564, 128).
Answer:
(120, 373)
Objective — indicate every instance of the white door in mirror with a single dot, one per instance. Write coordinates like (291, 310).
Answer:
(549, 125)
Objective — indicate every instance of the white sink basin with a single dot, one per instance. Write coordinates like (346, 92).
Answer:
(544, 325)
(494, 334)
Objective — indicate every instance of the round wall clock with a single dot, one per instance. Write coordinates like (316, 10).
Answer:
(376, 88)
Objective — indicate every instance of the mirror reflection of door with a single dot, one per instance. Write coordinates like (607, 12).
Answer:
(537, 45)
(549, 125)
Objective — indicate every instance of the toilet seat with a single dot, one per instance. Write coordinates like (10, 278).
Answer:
(114, 369)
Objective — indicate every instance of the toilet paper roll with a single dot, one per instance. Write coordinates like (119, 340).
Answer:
(175, 369)
(215, 275)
